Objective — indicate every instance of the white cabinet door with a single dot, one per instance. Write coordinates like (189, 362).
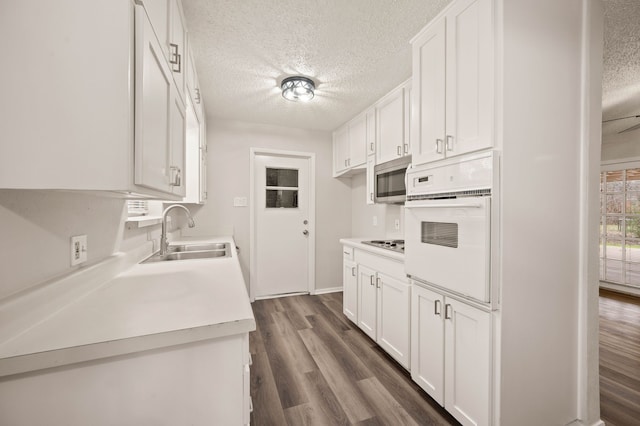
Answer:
(469, 90)
(371, 162)
(340, 149)
(427, 341)
(371, 131)
(453, 84)
(194, 158)
(350, 290)
(428, 121)
(393, 317)
(154, 105)
(192, 85)
(390, 126)
(358, 141)
(367, 300)
(178, 128)
(467, 363)
(178, 45)
(170, 28)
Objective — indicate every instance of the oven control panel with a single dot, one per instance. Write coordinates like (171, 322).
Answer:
(465, 174)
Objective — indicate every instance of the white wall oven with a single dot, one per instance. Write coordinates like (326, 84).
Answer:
(448, 225)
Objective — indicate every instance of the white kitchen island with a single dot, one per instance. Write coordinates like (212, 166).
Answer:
(161, 343)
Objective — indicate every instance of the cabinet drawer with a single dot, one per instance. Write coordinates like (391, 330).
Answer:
(382, 264)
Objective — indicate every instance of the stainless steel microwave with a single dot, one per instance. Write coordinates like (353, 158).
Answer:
(389, 181)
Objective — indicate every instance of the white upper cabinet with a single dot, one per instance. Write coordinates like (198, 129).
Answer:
(452, 105)
(350, 146)
(168, 22)
(371, 131)
(196, 158)
(358, 141)
(109, 116)
(391, 126)
(340, 150)
(192, 84)
(160, 120)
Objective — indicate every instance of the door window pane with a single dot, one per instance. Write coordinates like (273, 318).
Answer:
(282, 198)
(282, 177)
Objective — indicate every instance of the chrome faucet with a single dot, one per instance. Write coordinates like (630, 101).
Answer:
(164, 242)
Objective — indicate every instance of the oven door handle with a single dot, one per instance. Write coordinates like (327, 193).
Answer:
(444, 206)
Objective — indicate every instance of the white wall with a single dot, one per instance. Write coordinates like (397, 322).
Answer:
(36, 228)
(36, 231)
(362, 214)
(228, 177)
(542, 283)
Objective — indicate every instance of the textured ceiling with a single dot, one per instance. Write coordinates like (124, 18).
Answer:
(354, 50)
(621, 70)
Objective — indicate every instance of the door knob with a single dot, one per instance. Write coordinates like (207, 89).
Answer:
(305, 232)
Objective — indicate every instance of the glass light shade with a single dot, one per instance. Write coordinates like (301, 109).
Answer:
(297, 89)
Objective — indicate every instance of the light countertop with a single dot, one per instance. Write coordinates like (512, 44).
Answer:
(147, 306)
(357, 243)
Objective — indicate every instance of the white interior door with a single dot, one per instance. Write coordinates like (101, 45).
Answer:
(282, 225)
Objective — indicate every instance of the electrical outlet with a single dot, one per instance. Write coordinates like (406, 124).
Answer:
(396, 224)
(78, 249)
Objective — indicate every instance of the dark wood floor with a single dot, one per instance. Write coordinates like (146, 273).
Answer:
(619, 359)
(311, 366)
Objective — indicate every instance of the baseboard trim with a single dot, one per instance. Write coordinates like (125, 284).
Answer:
(326, 290)
(581, 423)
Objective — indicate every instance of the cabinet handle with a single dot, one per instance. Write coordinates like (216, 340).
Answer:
(406, 148)
(349, 162)
(175, 58)
(399, 150)
(371, 279)
(378, 282)
(176, 176)
(371, 147)
(436, 308)
(438, 146)
(447, 313)
(353, 271)
(197, 95)
(345, 163)
(449, 143)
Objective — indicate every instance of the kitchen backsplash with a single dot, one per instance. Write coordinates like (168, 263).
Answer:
(373, 220)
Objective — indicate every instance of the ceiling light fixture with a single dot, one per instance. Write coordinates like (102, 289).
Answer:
(297, 88)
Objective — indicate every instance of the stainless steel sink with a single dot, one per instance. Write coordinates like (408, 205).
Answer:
(192, 251)
(197, 247)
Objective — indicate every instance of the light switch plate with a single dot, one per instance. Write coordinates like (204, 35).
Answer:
(240, 202)
(78, 249)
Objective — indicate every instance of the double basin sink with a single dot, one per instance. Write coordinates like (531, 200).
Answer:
(191, 251)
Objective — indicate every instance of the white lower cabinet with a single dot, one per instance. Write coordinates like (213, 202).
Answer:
(350, 290)
(383, 302)
(451, 354)
(199, 383)
(394, 317)
(367, 301)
